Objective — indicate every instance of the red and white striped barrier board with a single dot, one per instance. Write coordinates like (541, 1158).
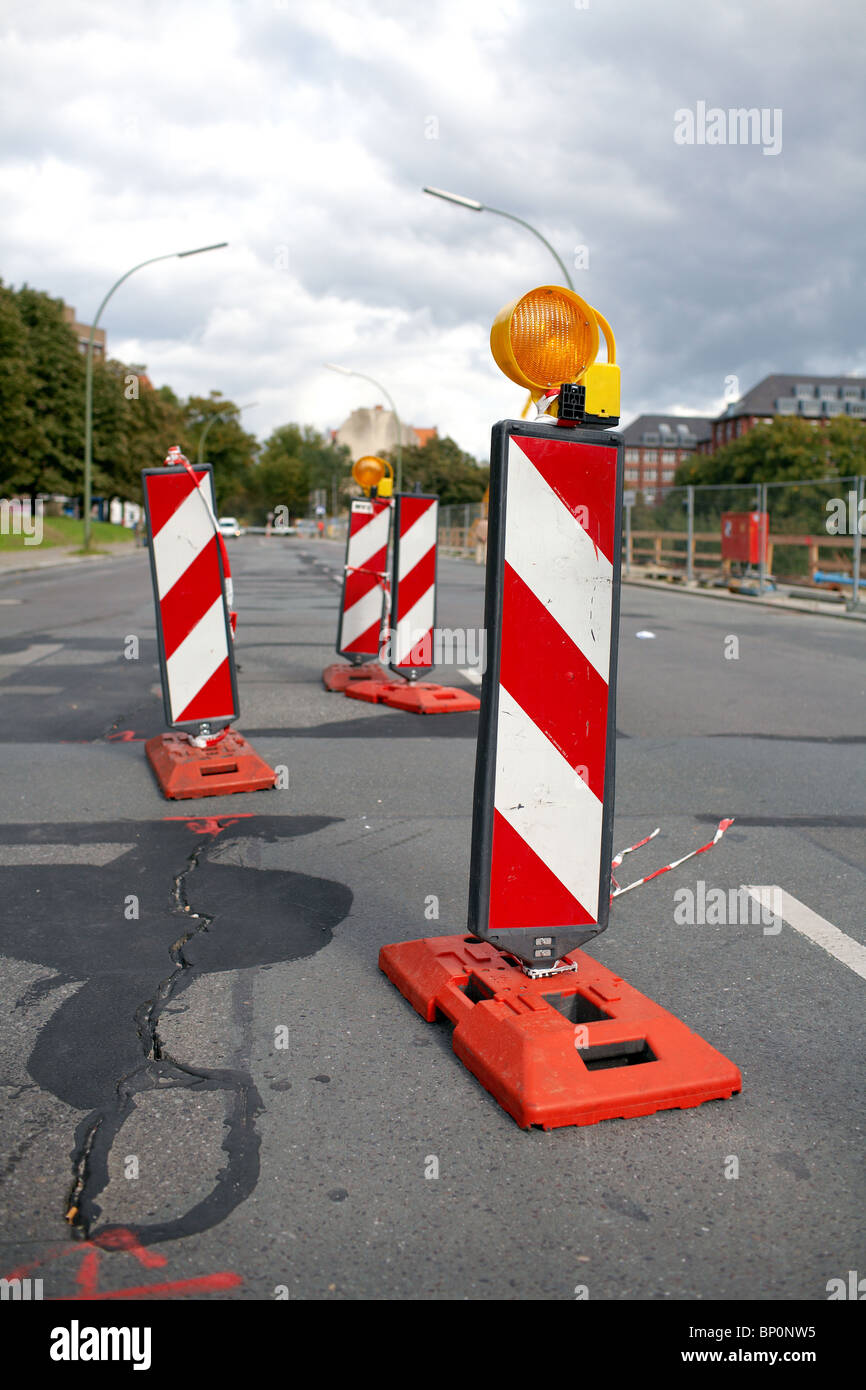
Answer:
(413, 606)
(365, 580)
(543, 814)
(195, 645)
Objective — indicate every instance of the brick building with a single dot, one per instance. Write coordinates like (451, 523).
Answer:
(817, 398)
(373, 430)
(82, 333)
(656, 444)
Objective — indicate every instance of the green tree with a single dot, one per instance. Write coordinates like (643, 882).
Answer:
(16, 411)
(110, 471)
(787, 449)
(152, 423)
(295, 460)
(228, 446)
(52, 457)
(441, 467)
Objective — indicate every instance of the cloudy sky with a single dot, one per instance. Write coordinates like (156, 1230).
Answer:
(302, 131)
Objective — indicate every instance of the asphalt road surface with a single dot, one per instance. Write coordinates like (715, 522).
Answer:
(263, 1119)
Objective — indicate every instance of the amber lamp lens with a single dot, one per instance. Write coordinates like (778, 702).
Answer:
(368, 472)
(551, 338)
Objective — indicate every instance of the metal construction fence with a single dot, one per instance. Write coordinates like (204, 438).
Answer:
(814, 527)
(461, 530)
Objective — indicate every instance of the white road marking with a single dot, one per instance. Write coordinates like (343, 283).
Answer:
(823, 933)
(23, 856)
(644, 633)
(35, 652)
(473, 676)
(30, 689)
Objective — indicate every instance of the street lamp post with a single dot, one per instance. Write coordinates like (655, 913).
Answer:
(88, 388)
(220, 414)
(347, 371)
(475, 206)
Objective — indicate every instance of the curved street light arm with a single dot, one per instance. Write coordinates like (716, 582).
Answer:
(348, 371)
(529, 227)
(88, 376)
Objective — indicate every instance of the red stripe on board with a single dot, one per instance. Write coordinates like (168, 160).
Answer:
(360, 581)
(523, 890)
(358, 520)
(421, 654)
(214, 700)
(414, 585)
(367, 644)
(552, 681)
(410, 510)
(190, 597)
(165, 493)
(583, 476)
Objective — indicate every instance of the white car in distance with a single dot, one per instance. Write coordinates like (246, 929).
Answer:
(228, 526)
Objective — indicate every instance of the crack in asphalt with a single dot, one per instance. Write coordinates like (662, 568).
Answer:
(95, 1136)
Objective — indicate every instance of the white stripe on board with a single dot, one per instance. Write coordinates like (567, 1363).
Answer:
(415, 543)
(199, 655)
(416, 624)
(817, 929)
(555, 557)
(371, 538)
(362, 615)
(182, 539)
(545, 801)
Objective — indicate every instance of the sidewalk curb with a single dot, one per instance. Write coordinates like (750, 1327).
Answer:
(789, 606)
(39, 566)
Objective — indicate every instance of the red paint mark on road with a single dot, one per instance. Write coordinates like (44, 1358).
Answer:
(124, 736)
(122, 1241)
(210, 825)
(205, 1283)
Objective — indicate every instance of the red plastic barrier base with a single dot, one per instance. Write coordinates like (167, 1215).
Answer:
(184, 771)
(426, 697)
(342, 673)
(373, 691)
(571, 1049)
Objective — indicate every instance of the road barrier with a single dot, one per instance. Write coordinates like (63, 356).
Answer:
(409, 642)
(364, 595)
(189, 569)
(554, 1036)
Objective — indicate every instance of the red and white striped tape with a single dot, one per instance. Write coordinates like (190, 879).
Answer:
(618, 892)
(414, 597)
(366, 578)
(191, 604)
(554, 671)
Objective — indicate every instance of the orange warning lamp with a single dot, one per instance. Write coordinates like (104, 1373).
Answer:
(548, 340)
(373, 474)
